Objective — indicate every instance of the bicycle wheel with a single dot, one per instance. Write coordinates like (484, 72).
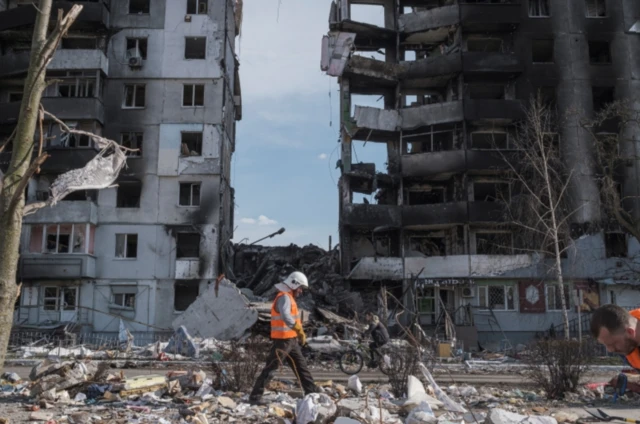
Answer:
(351, 362)
(391, 364)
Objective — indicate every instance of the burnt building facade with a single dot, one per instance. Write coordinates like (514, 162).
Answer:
(157, 76)
(452, 78)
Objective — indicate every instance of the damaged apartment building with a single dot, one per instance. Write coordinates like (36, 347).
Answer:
(157, 76)
(437, 86)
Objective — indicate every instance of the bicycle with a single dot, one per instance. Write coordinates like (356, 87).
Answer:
(352, 360)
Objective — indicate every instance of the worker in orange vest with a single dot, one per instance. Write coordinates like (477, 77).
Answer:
(619, 330)
(286, 332)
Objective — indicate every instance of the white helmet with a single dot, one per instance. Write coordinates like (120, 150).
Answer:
(295, 280)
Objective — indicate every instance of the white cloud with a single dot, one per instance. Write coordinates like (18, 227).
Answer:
(249, 221)
(264, 221)
(322, 156)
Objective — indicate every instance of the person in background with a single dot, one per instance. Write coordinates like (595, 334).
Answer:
(379, 336)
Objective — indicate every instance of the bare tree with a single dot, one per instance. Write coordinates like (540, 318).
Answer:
(100, 172)
(615, 150)
(539, 204)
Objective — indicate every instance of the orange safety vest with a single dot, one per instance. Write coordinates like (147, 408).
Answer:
(634, 357)
(279, 329)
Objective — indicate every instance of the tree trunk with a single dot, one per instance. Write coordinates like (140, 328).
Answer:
(10, 209)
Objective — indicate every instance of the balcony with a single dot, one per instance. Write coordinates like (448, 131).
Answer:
(187, 269)
(68, 212)
(94, 16)
(362, 215)
(16, 64)
(490, 16)
(454, 162)
(486, 212)
(65, 108)
(482, 64)
(496, 111)
(417, 216)
(368, 37)
(57, 266)
(65, 159)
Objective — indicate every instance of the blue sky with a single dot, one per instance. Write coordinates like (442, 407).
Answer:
(287, 146)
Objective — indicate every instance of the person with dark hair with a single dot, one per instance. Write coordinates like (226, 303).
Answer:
(619, 330)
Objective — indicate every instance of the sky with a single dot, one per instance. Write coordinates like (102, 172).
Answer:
(284, 167)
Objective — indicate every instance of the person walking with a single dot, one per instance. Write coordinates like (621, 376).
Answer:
(287, 335)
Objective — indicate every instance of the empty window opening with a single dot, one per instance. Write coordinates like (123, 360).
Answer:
(477, 44)
(55, 138)
(79, 43)
(494, 243)
(134, 96)
(615, 245)
(379, 54)
(486, 91)
(542, 51)
(425, 195)
(367, 14)
(554, 301)
(497, 191)
(60, 298)
(126, 246)
(129, 194)
(596, 8)
(124, 300)
(196, 7)
(16, 96)
(497, 297)
(82, 196)
(195, 47)
(137, 47)
(191, 144)
(410, 55)
(411, 100)
(436, 139)
(188, 245)
(489, 140)
(539, 8)
(599, 52)
(189, 194)
(139, 6)
(71, 87)
(184, 294)
(132, 140)
(193, 95)
(547, 95)
(602, 96)
(431, 245)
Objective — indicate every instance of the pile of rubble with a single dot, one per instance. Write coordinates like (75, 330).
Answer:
(84, 392)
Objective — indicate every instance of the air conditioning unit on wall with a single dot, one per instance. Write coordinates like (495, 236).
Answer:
(135, 62)
(468, 292)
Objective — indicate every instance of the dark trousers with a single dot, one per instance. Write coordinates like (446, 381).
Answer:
(375, 352)
(285, 351)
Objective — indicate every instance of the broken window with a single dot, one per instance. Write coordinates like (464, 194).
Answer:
(554, 301)
(189, 194)
(125, 300)
(134, 96)
(132, 140)
(602, 96)
(71, 87)
(539, 8)
(426, 300)
(57, 238)
(425, 195)
(596, 8)
(497, 297)
(196, 7)
(15, 96)
(191, 144)
(371, 14)
(486, 91)
(494, 243)
(55, 138)
(129, 194)
(187, 245)
(60, 298)
(184, 294)
(437, 138)
(193, 95)
(139, 7)
(542, 51)
(478, 44)
(615, 245)
(195, 47)
(491, 192)
(489, 140)
(79, 43)
(599, 52)
(137, 47)
(430, 245)
(126, 246)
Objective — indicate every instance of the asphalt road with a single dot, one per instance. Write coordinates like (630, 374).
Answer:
(365, 377)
